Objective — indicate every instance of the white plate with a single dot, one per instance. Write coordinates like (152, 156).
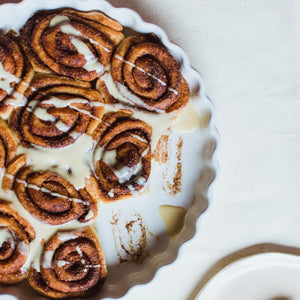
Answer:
(265, 276)
(199, 169)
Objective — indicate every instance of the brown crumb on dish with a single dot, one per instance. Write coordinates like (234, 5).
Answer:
(161, 153)
(175, 185)
(131, 238)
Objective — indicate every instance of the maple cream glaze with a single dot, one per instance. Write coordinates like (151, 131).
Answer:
(76, 161)
(173, 217)
(7, 79)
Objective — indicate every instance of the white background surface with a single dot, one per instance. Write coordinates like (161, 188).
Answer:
(248, 53)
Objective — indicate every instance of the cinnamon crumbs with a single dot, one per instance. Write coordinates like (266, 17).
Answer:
(175, 185)
(131, 238)
(161, 153)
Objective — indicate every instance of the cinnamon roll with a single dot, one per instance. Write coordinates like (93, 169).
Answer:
(15, 72)
(70, 42)
(72, 265)
(146, 75)
(15, 237)
(122, 157)
(56, 111)
(52, 199)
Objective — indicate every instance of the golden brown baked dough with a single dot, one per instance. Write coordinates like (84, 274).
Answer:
(18, 71)
(8, 144)
(72, 43)
(122, 158)
(14, 166)
(146, 69)
(72, 265)
(16, 234)
(58, 110)
(51, 198)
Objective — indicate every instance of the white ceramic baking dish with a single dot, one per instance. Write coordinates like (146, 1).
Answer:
(199, 168)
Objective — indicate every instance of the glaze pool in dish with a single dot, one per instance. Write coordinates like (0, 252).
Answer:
(132, 231)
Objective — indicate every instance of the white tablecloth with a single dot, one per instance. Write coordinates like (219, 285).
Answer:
(248, 53)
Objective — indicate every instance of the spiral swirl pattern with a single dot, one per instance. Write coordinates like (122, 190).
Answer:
(70, 42)
(72, 265)
(15, 237)
(57, 112)
(51, 198)
(122, 157)
(148, 75)
(15, 71)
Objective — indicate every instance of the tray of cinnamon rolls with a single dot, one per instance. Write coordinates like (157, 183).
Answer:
(106, 149)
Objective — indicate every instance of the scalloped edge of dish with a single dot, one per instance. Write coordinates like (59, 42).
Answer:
(130, 18)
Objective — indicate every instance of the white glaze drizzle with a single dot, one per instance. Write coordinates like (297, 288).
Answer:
(85, 112)
(23, 248)
(136, 136)
(77, 39)
(60, 125)
(79, 250)
(75, 157)
(89, 215)
(111, 193)
(42, 113)
(44, 190)
(16, 100)
(122, 93)
(47, 261)
(61, 263)
(141, 180)
(128, 96)
(58, 20)
(109, 157)
(60, 103)
(6, 235)
(69, 29)
(92, 266)
(66, 236)
(188, 120)
(9, 176)
(147, 73)
(92, 62)
(75, 135)
(131, 188)
(6, 80)
(123, 173)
